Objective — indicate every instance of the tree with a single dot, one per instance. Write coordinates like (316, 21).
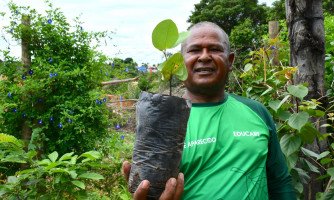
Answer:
(277, 10)
(307, 51)
(328, 6)
(229, 14)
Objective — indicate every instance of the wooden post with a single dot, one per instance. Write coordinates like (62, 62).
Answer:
(26, 60)
(273, 33)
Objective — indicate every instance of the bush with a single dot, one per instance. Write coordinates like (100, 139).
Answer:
(58, 97)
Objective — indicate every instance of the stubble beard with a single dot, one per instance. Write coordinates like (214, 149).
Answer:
(210, 90)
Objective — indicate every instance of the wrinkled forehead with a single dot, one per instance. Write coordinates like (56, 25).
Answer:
(207, 31)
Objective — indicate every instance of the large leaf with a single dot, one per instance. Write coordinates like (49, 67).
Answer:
(79, 184)
(182, 37)
(91, 155)
(298, 120)
(174, 65)
(53, 156)
(330, 171)
(299, 91)
(311, 167)
(290, 144)
(165, 35)
(275, 105)
(66, 156)
(91, 175)
(292, 160)
(310, 153)
(308, 133)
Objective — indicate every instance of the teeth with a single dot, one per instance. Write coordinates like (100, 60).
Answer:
(204, 70)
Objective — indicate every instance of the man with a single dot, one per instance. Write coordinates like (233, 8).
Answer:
(231, 150)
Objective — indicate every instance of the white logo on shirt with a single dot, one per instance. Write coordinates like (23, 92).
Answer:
(246, 133)
(199, 142)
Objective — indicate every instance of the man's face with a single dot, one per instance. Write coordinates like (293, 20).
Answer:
(207, 60)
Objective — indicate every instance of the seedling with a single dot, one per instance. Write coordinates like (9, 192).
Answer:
(166, 36)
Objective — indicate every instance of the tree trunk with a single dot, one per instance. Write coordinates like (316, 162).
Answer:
(305, 22)
(26, 60)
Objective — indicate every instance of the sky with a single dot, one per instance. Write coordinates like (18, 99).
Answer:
(131, 21)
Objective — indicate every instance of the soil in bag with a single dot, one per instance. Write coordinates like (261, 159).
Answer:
(160, 132)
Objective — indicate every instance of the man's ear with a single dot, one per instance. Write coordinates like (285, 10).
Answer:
(230, 61)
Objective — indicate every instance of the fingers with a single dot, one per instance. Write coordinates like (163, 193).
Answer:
(179, 186)
(174, 188)
(126, 167)
(142, 190)
(169, 191)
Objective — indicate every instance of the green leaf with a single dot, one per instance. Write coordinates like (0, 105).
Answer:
(59, 170)
(308, 133)
(324, 154)
(299, 187)
(311, 167)
(292, 160)
(299, 91)
(66, 156)
(165, 35)
(73, 174)
(248, 67)
(53, 156)
(329, 195)
(275, 105)
(91, 175)
(79, 184)
(310, 153)
(325, 161)
(290, 144)
(174, 65)
(298, 120)
(92, 155)
(12, 179)
(182, 37)
(330, 171)
(44, 162)
(74, 160)
(283, 115)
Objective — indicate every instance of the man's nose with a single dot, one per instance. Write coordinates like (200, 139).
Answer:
(205, 56)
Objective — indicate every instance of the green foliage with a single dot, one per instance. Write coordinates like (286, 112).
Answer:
(297, 119)
(58, 96)
(54, 177)
(328, 6)
(243, 20)
(329, 60)
(245, 36)
(277, 11)
(165, 36)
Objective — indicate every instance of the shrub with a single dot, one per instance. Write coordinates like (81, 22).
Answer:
(58, 97)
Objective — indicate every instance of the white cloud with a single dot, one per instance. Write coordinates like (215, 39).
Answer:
(132, 21)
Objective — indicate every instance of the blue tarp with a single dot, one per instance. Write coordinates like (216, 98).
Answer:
(142, 68)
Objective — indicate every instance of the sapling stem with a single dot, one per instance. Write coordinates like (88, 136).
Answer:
(171, 76)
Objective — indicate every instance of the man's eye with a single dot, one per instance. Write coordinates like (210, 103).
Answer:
(216, 50)
(193, 50)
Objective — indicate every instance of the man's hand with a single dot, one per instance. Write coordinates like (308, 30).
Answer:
(173, 189)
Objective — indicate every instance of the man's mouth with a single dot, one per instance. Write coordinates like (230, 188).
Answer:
(204, 70)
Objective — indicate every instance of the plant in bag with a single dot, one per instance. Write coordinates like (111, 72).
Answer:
(165, 36)
(161, 120)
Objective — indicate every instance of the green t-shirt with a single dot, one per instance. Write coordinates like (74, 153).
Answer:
(231, 152)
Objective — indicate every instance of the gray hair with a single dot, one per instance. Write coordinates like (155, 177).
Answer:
(213, 25)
